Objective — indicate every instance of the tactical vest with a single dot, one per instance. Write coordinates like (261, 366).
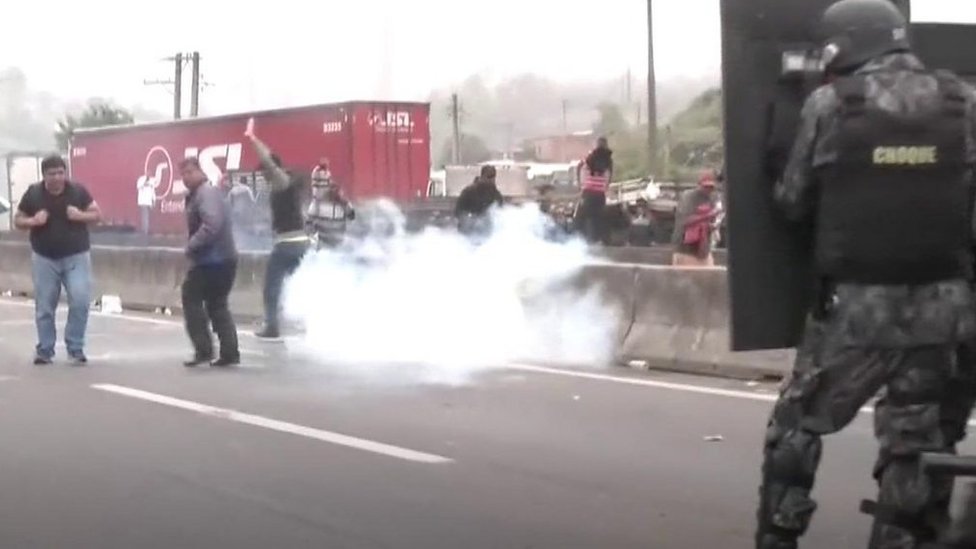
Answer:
(895, 207)
(286, 208)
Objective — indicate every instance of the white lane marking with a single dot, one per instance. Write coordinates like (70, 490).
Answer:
(731, 393)
(682, 387)
(280, 426)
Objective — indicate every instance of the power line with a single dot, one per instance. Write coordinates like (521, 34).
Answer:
(175, 85)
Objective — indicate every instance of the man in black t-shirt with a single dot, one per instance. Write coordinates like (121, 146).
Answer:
(57, 213)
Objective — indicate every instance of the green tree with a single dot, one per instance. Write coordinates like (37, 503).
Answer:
(694, 136)
(473, 151)
(99, 113)
(691, 142)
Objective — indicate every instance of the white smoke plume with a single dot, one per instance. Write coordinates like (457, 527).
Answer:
(436, 307)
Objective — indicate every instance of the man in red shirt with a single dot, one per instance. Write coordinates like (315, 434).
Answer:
(694, 226)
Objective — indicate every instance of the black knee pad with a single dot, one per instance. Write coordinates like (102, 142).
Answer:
(792, 457)
(790, 466)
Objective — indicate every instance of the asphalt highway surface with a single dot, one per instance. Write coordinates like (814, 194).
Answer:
(136, 451)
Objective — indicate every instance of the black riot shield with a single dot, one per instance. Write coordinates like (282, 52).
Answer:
(770, 63)
(770, 278)
(947, 46)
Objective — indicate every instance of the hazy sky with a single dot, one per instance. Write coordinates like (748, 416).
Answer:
(282, 52)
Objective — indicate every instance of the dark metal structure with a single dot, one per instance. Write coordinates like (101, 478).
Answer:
(770, 63)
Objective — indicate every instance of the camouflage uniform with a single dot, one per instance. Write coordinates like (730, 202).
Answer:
(911, 342)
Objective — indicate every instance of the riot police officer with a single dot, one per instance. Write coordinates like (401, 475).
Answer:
(881, 174)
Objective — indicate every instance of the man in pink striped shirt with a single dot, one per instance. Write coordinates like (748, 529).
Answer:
(594, 175)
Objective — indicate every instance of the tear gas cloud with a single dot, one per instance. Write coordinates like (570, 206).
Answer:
(436, 307)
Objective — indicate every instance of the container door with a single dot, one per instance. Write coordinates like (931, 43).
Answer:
(22, 171)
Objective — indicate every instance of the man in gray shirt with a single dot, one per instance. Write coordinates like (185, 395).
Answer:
(213, 267)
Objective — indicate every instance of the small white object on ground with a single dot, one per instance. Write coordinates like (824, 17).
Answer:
(576, 397)
(752, 384)
(714, 438)
(638, 364)
(111, 304)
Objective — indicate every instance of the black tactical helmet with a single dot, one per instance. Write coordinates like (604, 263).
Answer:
(857, 31)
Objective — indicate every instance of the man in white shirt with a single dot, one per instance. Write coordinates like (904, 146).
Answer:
(145, 197)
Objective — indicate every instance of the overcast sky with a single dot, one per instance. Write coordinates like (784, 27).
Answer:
(284, 52)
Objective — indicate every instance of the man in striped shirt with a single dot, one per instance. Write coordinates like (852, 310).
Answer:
(594, 175)
(329, 211)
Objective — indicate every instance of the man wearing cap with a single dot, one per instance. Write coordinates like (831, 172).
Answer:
(329, 211)
(694, 224)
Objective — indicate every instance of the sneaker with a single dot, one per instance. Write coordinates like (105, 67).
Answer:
(79, 359)
(268, 333)
(42, 361)
(224, 362)
(197, 361)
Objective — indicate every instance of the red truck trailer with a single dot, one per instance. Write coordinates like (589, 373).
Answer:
(375, 149)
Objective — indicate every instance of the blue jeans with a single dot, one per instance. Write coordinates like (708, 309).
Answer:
(285, 259)
(74, 273)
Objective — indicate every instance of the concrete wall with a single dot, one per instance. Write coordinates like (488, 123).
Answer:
(675, 319)
(145, 278)
(655, 255)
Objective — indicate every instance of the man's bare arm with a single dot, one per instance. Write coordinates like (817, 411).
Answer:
(277, 177)
(91, 214)
(24, 222)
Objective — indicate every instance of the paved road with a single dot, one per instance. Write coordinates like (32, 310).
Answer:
(136, 451)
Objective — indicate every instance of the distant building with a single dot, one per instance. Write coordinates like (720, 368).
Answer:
(561, 148)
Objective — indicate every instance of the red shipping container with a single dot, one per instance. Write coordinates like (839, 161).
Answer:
(375, 149)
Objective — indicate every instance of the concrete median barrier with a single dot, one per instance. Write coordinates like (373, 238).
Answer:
(145, 279)
(681, 323)
(616, 284)
(669, 318)
(15, 268)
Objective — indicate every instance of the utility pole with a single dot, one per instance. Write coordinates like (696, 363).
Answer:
(565, 135)
(629, 89)
(178, 88)
(456, 120)
(667, 151)
(510, 139)
(651, 92)
(179, 60)
(195, 90)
